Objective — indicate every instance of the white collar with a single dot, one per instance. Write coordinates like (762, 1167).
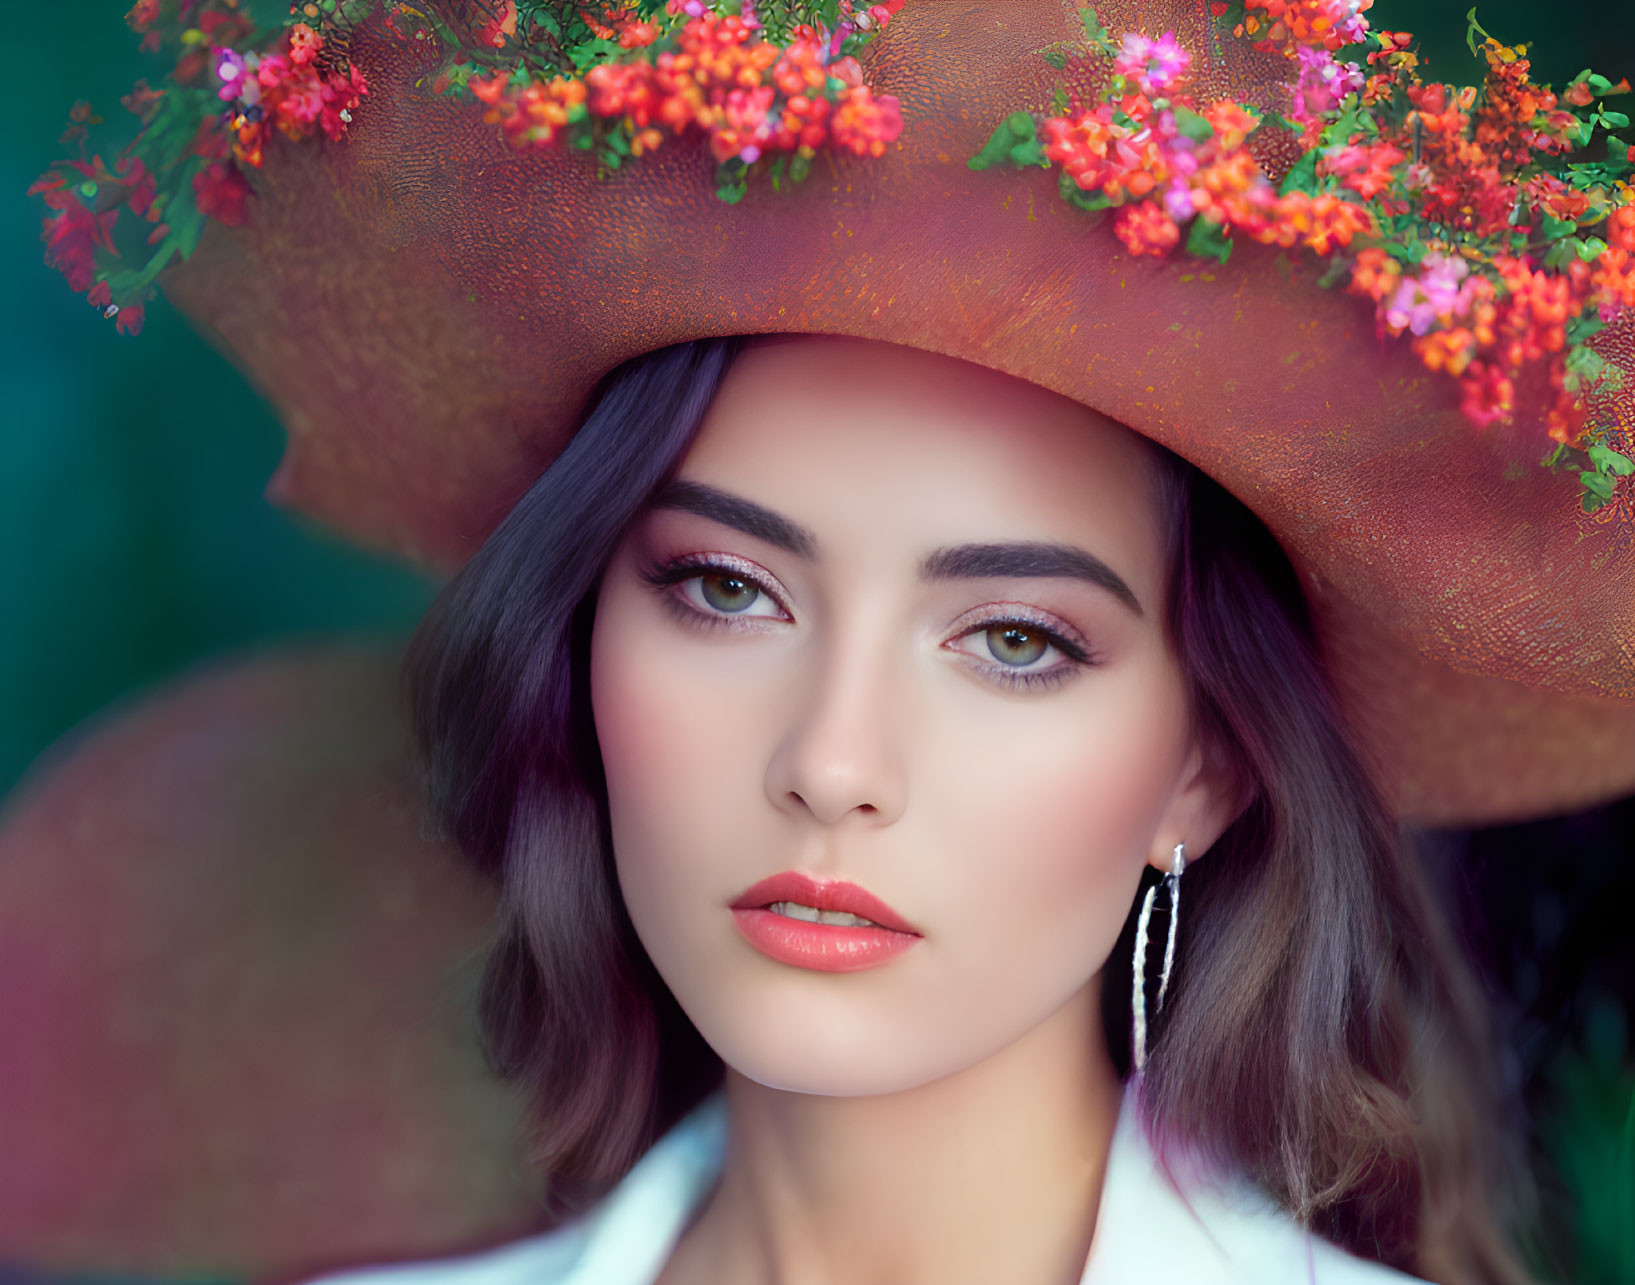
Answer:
(1147, 1231)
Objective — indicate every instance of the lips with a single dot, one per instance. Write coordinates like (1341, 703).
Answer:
(827, 948)
(823, 894)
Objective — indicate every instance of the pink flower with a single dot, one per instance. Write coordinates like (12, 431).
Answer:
(1178, 202)
(230, 70)
(1349, 24)
(1324, 84)
(1155, 65)
(1438, 295)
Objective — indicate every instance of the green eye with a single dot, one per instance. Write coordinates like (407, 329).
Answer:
(1011, 644)
(726, 592)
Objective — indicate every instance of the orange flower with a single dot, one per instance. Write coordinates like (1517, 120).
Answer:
(1146, 229)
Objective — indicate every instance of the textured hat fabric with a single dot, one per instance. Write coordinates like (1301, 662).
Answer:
(429, 309)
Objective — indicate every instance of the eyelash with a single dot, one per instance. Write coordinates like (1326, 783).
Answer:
(663, 576)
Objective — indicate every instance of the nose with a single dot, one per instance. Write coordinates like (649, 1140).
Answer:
(842, 752)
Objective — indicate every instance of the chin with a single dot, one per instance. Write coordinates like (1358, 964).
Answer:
(839, 1046)
(826, 1071)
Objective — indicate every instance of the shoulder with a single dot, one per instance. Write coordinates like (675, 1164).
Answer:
(1172, 1222)
(1225, 1236)
(1266, 1246)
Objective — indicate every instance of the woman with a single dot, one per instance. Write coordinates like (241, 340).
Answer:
(964, 664)
(1168, 683)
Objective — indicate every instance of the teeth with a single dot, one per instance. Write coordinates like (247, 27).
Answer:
(811, 915)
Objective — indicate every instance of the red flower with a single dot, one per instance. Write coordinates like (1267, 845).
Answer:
(140, 187)
(1146, 229)
(1366, 170)
(638, 35)
(141, 100)
(73, 235)
(864, 123)
(305, 42)
(143, 14)
(1621, 227)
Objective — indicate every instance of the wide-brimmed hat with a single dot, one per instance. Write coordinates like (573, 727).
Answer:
(429, 308)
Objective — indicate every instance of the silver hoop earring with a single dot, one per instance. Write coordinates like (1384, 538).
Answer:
(1138, 984)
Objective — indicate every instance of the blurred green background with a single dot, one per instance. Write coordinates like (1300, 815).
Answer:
(131, 473)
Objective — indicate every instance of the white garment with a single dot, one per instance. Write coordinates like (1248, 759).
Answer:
(1147, 1233)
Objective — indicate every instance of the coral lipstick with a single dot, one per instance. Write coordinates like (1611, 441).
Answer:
(826, 947)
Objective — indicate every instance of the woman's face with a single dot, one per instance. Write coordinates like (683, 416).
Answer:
(899, 625)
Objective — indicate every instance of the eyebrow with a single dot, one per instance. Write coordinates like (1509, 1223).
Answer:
(1019, 559)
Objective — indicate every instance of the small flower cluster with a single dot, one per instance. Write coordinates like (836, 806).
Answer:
(188, 161)
(287, 90)
(1292, 25)
(1165, 162)
(709, 73)
(619, 77)
(1456, 212)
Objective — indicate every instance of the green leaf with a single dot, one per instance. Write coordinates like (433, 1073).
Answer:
(1554, 227)
(1607, 460)
(1208, 240)
(1302, 177)
(1337, 271)
(1600, 485)
(1094, 32)
(1598, 84)
(1056, 58)
(1562, 252)
(1016, 140)
(1192, 125)
(1279, 121)
(776, 172)
(1058, 100)
(1614, 120)
(1582, 327)
(1585, 363)
(799, 167)
(1590, 248)
(1030, 151)
(1075, 195)
(587, 55)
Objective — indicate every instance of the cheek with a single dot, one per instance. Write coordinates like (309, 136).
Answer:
(673, 753)
(1053, 824)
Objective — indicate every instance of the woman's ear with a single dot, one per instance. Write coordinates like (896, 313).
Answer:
(1212, 794)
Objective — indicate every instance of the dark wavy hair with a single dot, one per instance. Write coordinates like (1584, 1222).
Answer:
(1322, 1034)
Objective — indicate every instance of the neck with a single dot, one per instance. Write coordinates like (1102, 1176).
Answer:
(991, 1173)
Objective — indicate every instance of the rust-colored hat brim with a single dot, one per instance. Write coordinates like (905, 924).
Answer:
(428, 310)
